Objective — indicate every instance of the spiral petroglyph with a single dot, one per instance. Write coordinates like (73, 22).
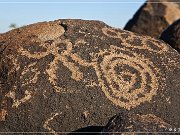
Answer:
(127, 80)
(127, 38)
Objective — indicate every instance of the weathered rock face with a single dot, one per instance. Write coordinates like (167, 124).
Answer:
(69, 74)
(127, 122)
(172, 35)
(153, 18)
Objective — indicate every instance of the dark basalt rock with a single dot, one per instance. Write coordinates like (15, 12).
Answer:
(67, 75)
(153, 18)
(172, 35)
(136, 124)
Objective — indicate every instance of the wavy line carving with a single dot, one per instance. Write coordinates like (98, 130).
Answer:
(154, 47)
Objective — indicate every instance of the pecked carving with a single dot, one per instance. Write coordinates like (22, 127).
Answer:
(143, 45)
(117, 88)
(114, 86)
(85, 69)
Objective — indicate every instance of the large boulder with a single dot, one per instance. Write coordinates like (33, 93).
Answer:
(154, 17)
(172, 35)
(70, 74)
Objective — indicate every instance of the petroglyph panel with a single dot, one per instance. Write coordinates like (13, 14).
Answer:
(135, 83)
(120, 91)
(84, 67)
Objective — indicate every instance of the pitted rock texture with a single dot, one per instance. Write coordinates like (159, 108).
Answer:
(70, 74)
(136, 124)
(153, 18)
(172, 35)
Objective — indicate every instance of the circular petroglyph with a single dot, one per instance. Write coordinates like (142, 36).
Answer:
(127, 79)
(129, 40)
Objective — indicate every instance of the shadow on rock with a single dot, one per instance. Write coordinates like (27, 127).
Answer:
(95, 130)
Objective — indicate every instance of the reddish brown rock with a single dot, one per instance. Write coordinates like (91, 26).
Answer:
(70, 74)
(153, 18)
(172, 35)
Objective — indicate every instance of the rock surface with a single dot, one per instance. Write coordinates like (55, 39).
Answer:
(172, 35)
(153, 18)
(128, 123)
(70, 74)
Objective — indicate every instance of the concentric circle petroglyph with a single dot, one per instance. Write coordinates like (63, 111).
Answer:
(141, 86)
